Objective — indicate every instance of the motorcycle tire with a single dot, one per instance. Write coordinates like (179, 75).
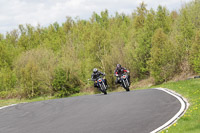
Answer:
(105, 93)
(127, 89)
(103, 90)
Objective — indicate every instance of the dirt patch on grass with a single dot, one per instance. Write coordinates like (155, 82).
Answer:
(185, 72)
(143, 83)
(183, 76)
(150, 81)
(88, 89)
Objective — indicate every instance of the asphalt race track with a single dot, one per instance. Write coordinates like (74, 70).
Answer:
(139, 111)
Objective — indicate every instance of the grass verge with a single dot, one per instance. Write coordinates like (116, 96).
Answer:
(190, 121)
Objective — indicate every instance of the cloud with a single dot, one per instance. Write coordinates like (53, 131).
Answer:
(45, 12)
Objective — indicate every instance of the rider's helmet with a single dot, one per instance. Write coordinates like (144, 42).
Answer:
(95, 70)
(118, 66)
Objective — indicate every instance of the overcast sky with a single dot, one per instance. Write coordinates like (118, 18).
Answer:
(45, 12)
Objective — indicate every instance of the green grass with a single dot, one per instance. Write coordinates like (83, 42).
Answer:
(190, 89)
(190, 121)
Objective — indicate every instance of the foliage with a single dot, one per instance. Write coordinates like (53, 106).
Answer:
(61, 84)
(195, 53)
(163, 57)
(150, 43)
(34, 70)
(186, 33)
(7, 79)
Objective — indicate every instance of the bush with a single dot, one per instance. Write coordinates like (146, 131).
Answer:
(34, 70)
(62, 85)
(7, 79)
(9, 94)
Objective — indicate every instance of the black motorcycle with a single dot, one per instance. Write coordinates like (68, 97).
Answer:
(124, 81)
(100, 82)
(101, 85)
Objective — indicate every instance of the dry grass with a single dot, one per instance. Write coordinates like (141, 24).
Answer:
(88, 90)
(143, 83)
(183, 76)
(186, 72)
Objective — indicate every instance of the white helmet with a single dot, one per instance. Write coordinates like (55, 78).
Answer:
(95, 70)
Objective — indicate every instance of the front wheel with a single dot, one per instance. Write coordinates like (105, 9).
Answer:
(126, 85)
(105, 92)
(103, 89)
(127, 89)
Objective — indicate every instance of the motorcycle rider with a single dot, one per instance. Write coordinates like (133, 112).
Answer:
(95, 75)
(119, 71)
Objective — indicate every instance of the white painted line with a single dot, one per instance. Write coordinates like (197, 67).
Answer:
(7, 106)
(183, 108)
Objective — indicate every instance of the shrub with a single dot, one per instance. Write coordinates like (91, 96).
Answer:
(7, 79)
(34, 70)
(62, 85)
(9, 94)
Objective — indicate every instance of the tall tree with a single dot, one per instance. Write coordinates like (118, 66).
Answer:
(195, 53)
(163, 57)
